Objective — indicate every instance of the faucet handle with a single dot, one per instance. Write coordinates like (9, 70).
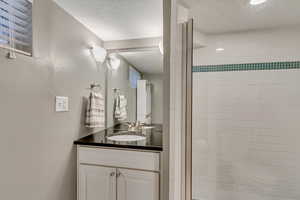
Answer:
(129, 124)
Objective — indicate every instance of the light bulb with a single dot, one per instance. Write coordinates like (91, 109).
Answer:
(257, 2)
(99, 53)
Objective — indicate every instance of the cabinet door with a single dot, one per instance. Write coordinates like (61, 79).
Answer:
(137, 185)
(96, 183)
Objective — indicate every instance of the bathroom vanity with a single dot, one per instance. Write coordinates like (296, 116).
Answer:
(119, 170)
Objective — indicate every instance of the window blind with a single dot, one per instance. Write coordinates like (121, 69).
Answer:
(16, 25)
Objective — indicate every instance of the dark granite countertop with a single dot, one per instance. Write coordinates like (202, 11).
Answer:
(152, 142)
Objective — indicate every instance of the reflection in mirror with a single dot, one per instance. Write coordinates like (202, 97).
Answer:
(135, 86)
(131, 55)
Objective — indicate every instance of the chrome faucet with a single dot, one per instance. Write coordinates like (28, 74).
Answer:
(135, 126)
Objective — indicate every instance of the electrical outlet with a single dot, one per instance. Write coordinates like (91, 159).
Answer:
(61, 104)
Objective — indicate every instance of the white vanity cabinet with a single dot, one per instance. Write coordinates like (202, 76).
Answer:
(96, 182)
(110, 174)
(137, 185)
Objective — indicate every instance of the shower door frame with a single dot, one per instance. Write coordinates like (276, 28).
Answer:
(187, 107)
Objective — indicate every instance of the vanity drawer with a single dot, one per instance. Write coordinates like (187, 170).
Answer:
(119, 158)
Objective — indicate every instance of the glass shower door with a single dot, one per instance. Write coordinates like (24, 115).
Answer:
(245, 122)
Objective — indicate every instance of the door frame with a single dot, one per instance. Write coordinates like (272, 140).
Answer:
(176, 156)
(187, 108)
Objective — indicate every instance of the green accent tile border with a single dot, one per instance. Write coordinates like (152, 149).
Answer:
(248, 67)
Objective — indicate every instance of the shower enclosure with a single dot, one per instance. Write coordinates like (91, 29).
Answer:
(242, 108)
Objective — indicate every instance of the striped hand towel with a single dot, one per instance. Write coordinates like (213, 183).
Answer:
(95, 117)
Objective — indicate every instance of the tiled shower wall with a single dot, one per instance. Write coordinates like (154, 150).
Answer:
(246, 130)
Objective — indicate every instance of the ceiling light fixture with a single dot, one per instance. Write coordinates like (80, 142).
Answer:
(257, 2)
(220, 49)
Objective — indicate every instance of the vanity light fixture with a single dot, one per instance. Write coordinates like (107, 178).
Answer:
(220, 49)
(101, 56)
(98, 53)
(113, 61)
(257, 2)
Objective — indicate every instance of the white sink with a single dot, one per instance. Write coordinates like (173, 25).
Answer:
(126, 138)
(147, 127)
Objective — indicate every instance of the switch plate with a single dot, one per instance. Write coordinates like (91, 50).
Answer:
(61, 104)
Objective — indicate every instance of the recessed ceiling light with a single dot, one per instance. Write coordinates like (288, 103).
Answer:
(257, 2)
(220, 49)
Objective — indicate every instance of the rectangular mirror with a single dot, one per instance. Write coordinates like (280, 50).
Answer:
(130, 56)
(135, 86)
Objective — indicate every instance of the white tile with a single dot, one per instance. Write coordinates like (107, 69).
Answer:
(246, 135)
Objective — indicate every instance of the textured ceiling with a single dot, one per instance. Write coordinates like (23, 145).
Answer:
(221, 16)
(145, 61)
(118, 19)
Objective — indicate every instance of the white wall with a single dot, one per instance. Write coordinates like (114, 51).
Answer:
(38, 158)
(246, 124)
(271, 45)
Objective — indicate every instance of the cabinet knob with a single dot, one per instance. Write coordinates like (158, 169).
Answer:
(112, 174)
(118, 174)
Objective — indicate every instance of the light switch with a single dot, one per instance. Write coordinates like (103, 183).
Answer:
(61, 104)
